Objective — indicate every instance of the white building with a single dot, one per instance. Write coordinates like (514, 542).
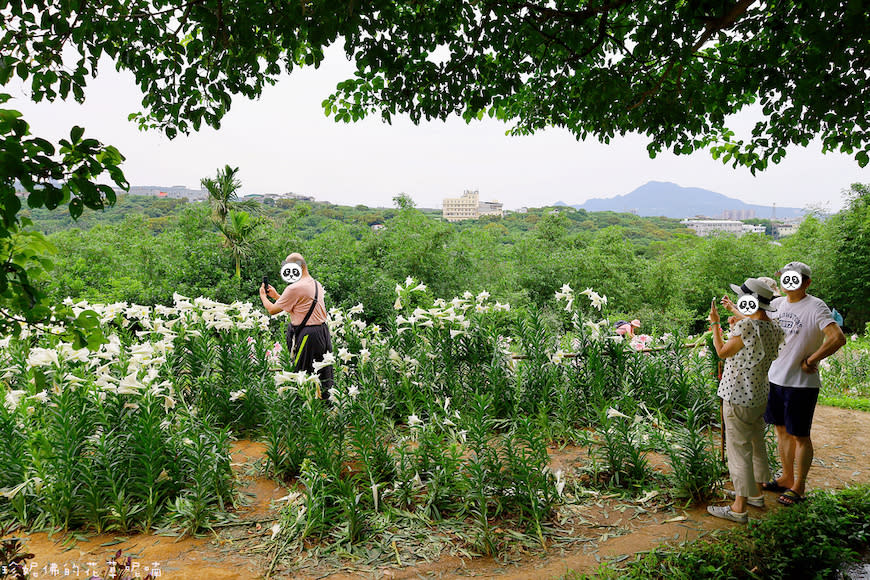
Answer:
(469, 207)
(785, 229)
(704, 227)
(753, 229)
(173, 191)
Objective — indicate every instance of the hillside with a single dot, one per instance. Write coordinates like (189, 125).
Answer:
(658, 198)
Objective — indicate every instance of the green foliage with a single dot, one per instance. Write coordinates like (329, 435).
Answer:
(812, 540)
(673, 73)
(37, 167)
(695, 463)
(850, 249)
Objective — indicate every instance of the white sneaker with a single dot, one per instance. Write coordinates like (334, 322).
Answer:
(757, 501)
(724, 512)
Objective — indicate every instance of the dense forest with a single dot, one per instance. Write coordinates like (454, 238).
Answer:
(143, 250)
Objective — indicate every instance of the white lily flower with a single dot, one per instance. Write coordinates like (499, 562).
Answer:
(105, 380)
(328, 360)
(13, 398)
(275, 530)
(560, 482)
(353, 391)
(557, 357)
(130, 385)
(67, 352)
(345, 355)
(364, 356)
(298, 377)
(414, 421)
(236, 395)
(611, 413)
(42, 357)
(41, 396)
(356, 309)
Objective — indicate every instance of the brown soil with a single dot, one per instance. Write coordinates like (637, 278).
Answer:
(604, 528)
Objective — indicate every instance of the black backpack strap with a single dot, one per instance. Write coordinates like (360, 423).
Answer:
(310, 310)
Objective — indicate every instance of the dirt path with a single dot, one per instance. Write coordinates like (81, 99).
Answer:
(605, 528)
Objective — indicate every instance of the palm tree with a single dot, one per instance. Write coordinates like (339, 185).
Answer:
(223, 194)
(240, 233)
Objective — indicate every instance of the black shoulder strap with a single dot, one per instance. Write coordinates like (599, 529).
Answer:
(310, 310)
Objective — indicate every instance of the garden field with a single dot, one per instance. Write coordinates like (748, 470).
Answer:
(464, 438)
(607, 527)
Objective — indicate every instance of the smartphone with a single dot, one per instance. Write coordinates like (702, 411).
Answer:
(266, 282)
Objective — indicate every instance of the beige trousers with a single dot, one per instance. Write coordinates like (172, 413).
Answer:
(745, 448)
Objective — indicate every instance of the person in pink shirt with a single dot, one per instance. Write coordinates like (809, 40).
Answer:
(627, 328)
(308, 335)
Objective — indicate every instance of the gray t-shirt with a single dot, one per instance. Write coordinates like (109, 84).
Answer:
(803, 323)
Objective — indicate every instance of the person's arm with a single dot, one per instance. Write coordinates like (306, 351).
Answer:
(834, 340)
(271, 308)
(723, 349)
(731, 307)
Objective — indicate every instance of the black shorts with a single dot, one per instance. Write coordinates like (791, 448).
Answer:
(313, 343)
(792, 407)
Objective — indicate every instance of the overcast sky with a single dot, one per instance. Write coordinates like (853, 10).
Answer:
(283, 142)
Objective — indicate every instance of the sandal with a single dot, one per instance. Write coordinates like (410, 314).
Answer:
(790, 497)
(772, 485)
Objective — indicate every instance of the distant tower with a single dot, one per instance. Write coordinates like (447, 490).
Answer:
(773, 212)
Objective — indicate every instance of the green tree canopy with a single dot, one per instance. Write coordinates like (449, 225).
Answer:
(673, 71)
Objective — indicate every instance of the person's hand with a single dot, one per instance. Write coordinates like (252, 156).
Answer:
(714, 314)
(732, 320)
(729, 306)
(809, 368)
(272, 293)
(263, 291)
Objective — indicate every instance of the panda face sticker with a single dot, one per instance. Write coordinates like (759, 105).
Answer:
(747, 305)
(791, 280)
(291, 272)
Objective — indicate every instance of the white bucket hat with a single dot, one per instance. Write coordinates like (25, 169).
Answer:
(756, 288)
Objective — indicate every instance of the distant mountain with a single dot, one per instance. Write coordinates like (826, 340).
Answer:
(658, 198)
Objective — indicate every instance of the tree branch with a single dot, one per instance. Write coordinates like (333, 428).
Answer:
(711, 28)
